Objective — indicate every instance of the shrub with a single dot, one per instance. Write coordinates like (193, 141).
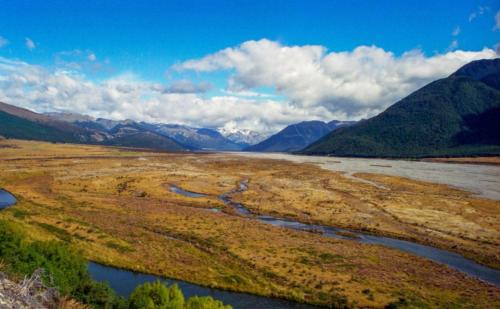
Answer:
(205, 302)
(64, 268)
(156, 295)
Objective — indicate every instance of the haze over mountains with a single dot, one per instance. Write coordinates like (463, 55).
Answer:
(454, 116)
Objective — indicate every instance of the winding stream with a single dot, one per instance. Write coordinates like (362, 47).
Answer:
(6, 199)
(125, 281)
(448, 258)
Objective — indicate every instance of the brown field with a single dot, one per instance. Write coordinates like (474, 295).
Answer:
(116, 207)
(467, 160)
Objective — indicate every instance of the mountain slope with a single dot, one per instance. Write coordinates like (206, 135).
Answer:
(242, 137)
(189, 137)
(131, 134)
(457, 115)
(296, 136)
(199, 138)
(485, 71)
(21, 123)
(15, 127)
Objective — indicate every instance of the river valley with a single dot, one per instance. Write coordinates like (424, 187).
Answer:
(254, 231)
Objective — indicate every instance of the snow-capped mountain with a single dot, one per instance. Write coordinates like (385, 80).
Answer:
(241, 136)
(200, 138)
(190, 137)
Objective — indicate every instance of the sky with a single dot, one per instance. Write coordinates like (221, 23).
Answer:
(257, 65)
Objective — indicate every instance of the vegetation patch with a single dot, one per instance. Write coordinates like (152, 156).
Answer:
(118, 247)
(58, 232)
(66, 270)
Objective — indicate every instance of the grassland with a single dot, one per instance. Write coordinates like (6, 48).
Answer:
(115, 206)
(467, 160)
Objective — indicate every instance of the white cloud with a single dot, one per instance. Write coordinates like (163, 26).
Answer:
(128, 97)
(453, 45)
(247, 93)
(351, 84)
(187, 86)
(29, 44)
(3, 41)
(456, 31)
(310, 83)
(79, 60)
(478, 12)
(497, 21)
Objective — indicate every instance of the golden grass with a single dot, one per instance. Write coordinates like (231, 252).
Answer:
(116, 207)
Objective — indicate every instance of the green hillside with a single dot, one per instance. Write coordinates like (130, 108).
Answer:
(453, 116)
(15, 127)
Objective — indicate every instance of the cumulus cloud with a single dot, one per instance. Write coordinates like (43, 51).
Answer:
(456, 31)
(3, 41)
(91, 57)
(308, 82)
(128, 97)
(29, 44)
(187, 86)
(247, 93)
(350, 84)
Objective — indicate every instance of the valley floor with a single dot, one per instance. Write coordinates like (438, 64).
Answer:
(117, 207)
(468, 160)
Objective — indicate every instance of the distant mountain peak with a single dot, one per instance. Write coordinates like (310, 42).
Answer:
(241, 136)
(297, 136)
(485, 70)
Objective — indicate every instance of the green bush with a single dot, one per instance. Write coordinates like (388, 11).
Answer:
(99, 295)
(205, 302)
(64, 268)
(156, 295)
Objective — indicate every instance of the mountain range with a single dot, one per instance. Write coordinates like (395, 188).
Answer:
(297, 136)
(189, 137)
(20, 123)
(454, 116)
(242, 137)
(16, 122)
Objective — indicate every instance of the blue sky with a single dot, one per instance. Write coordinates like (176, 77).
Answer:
(146, 38)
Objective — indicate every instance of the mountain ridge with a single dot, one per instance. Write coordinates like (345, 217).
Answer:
(20, 123)
(297, 136)
(453, 116)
